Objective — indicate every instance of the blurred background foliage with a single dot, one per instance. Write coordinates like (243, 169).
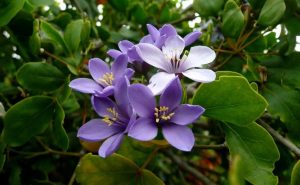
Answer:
(46, 43)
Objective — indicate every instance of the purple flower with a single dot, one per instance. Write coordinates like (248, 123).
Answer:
(171, 61)
(126, 48)
(104, 78)
(170, 115)
(116, 120)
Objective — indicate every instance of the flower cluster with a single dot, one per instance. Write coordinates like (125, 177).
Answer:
(132, 109)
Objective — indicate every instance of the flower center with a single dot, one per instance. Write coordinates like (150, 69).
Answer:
(161, 113)
(110, 119)
(107, 79)
(174, 57)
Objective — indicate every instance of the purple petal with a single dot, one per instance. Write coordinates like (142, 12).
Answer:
(171, 96)
(125, 45)
(153, 32)
(159, 82)
(107, 91)
(114, 53)
(96, 130)
(168, 30)
(132, 54)
(191, 37)
(160, 41)
(186, 114)
(121, 96)
(85, 85)
(198, 56)
(98, 68)
(144, 129)
(118, 66)
(102, 104)
(111, 145)
(181, 137)
(147, 39)
(200, 75)
(142, 100)
(174, 45)
(129, 73)
(153, 56)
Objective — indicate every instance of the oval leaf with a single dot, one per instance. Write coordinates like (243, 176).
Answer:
(10, 10)
(116, 169)
(28, 118)
(257, 150)
(296, 174)
(72, 34)
(271, 12)
(40, 76)
(230, 99)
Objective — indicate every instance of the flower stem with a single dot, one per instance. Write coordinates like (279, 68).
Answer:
(214, 147)
(150, 157)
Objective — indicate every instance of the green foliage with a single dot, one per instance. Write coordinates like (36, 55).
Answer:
(9, 8)
(240, 104)
(208, 8)
(271, 12)
(257, 150)
(93, 170)
(295, 179)
(72, 34)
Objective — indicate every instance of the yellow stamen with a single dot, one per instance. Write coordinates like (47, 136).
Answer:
(161, 114)
(107, 78)
(108, 119)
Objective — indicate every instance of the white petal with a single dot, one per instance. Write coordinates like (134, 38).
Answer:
(160, 81)
(200, 75)
(198, 56)
(173, 46)
(153, 56)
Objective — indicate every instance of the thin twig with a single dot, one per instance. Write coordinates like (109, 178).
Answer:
(150, 157)
(182, 164)
(291, 146)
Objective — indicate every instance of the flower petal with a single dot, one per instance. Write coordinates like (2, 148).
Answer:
(153, 56)
(142, 100)
(159, 81)
(191, 37)
(144, 129)
(173, 46)
(153, 32)
(171, 96)
(118, 66)
(85, 85)
(129, 73)
(181, 137)
(96, 130)
(114, 53)
(102, 104)
(198, 56)
(125, 45)
(132, 54)
(107, 91)
(147, 39)
(98, 68)
(111, 145)
(168, 30)
(121, 97)
(160, 41)
(200, 75)
(186, 114)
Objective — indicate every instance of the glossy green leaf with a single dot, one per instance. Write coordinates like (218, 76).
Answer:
(9, 8)
(60, 136)
(28, 118)
(230, 99)
(85, 33)
(41, 2)
(295, 179)
(257, 150)
(40, 76)
(233, 19)
(271, 12)
(284, 102)
(208, 8)
(235, 172)
(116, 169)
(52, 33)
(72, 35)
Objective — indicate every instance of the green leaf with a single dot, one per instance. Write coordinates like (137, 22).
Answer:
(114, 170)
(60, 136)
(40, 76)
(28, 118)
(72, 35)
(271, 12)
(41, 2)
(208, 8)
(235, 172)
(295, 179)
(2, 110)
(257, 150)
(9, 8)
(233, 20)
(51, 31)
(230, 99)
(284, 102)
